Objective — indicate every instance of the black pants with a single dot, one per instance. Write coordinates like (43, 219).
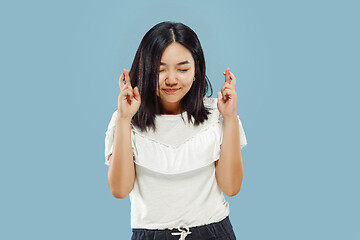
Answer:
(218, 230)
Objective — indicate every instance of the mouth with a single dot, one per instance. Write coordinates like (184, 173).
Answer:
(171, 90)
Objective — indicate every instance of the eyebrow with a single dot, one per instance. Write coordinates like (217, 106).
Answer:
(180, 63)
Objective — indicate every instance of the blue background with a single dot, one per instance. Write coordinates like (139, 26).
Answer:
(297, 69)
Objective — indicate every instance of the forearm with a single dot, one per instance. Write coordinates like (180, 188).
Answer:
(121, 174)
(229, 170)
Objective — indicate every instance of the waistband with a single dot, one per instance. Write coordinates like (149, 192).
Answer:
(222, 227)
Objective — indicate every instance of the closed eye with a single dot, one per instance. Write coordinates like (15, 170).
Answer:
(181, 70)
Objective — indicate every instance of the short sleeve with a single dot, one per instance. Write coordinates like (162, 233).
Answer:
(243, 141)
(109, 138)
(213, 103)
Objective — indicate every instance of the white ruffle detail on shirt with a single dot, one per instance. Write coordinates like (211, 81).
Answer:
(194, 149)
(198, 151)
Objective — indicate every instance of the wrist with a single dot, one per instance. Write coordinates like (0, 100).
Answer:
(230, 121)
(228, 118)
(123, 120)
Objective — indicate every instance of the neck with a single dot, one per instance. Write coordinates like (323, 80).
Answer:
(171, 108)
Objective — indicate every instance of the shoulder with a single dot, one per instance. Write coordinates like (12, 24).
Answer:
(112, 120)
(114, 115)
(210, 102)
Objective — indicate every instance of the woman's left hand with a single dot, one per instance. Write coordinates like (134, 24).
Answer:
(227, 98)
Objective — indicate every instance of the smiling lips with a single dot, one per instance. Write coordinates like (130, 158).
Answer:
(171, 90)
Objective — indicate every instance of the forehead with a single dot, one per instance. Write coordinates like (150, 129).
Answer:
(176, 53)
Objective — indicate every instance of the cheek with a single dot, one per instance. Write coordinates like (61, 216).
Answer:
(161, 79)
(160, 83)
(186, 76)
(187, 79)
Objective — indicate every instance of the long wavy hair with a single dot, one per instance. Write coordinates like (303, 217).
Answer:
(144, 73)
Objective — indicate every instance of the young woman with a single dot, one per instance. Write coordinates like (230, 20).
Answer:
(173, 150)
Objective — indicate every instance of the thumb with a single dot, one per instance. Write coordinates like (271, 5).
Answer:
(219, 96)
(136, 93)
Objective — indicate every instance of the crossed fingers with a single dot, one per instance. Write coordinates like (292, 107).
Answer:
(125, 85)
(228, 87)
(229, 77)
(124, 79)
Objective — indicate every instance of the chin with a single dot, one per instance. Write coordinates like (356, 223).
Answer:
(172, 100)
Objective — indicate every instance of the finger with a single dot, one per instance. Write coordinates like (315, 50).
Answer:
(228, 93)
(219, 96)
(127, 94)
(127, 77)
(225, 86)
(127, 80)
(126, 91)
(223, 94)
(233, 79)
(227, 75)
(125, 87)
(136, 93)
(121, 80)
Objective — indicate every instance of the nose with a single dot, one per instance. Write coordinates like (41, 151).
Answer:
(171, 79)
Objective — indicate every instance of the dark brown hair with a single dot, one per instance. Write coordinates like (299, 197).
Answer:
(144, 73)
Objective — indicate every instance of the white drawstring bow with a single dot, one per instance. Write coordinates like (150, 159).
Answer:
(182, 233)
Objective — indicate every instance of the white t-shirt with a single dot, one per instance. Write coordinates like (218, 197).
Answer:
(175, 182)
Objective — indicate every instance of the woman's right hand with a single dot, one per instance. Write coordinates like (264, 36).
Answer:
(129, 99)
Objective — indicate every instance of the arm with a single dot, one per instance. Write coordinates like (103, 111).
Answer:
(229, 167)
(121, 173)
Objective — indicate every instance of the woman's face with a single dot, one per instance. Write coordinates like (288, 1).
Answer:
(176, 75)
